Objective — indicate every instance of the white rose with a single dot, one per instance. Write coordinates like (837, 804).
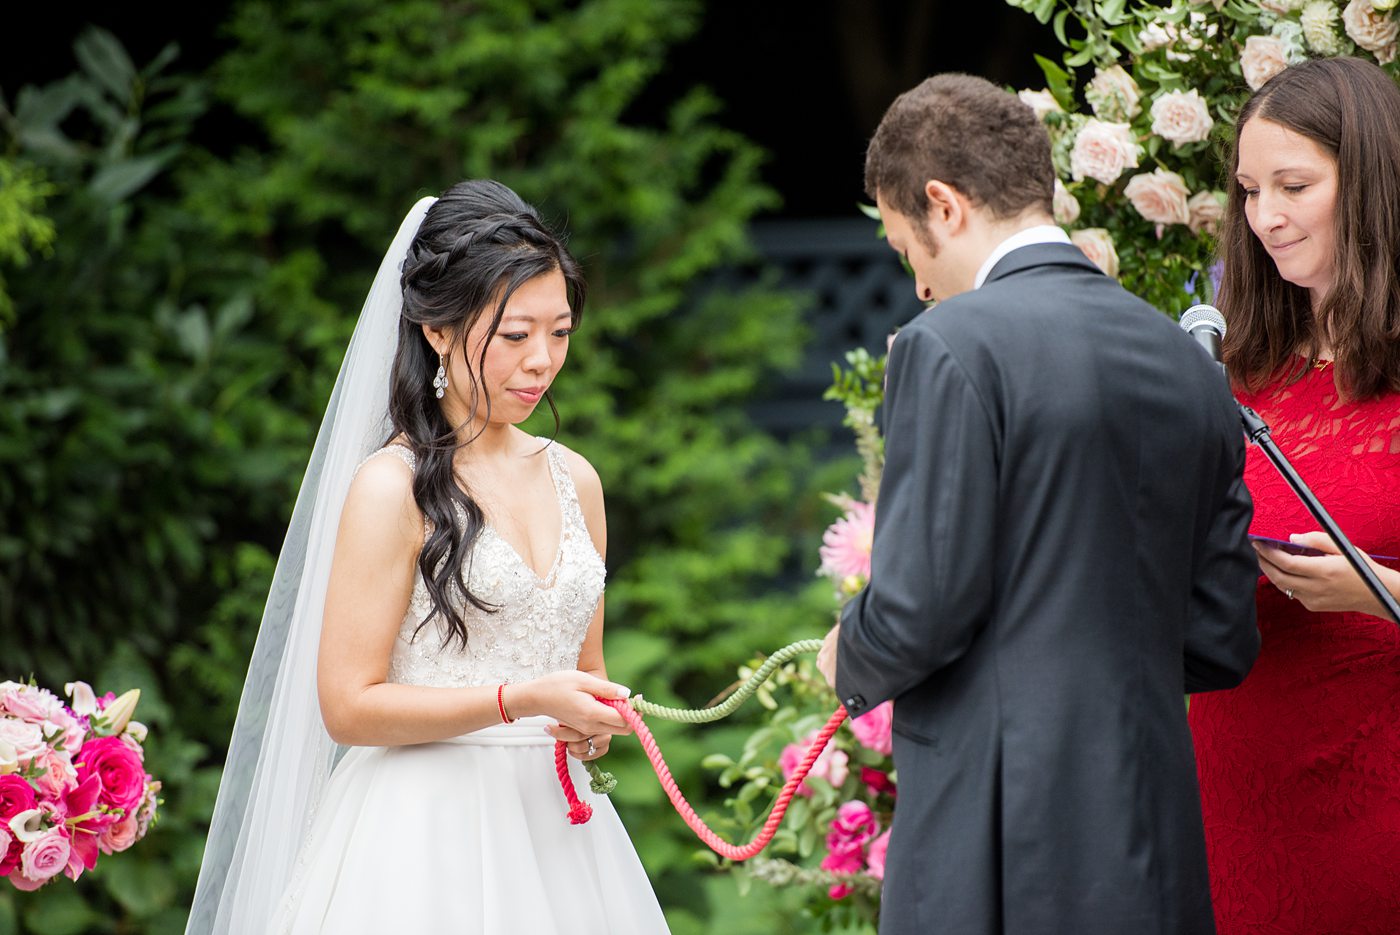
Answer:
(1320, 28)
(1159, 196)
(1042, 102)
(9, 760)
(26, 738)
(1097, 245)
(1372, 30)
(1103, 151)
(1066, 205)
(1114, 95)
(1206, 210)
(1263, 57)
(1181, 117)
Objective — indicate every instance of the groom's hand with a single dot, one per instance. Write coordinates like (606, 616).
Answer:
(826, 659)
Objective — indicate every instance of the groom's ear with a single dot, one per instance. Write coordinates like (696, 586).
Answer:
(947, 208)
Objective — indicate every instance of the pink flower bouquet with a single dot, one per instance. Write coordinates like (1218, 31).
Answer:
(73, 783)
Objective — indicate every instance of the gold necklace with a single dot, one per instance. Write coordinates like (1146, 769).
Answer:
(1321, 364)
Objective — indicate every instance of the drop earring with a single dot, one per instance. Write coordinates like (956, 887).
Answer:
(440, 380)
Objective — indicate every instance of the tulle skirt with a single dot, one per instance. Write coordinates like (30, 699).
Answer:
(468, 835)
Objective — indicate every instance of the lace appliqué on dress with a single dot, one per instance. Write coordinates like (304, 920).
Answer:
(541, 622)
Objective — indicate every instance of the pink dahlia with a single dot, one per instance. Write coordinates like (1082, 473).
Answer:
(845, 548)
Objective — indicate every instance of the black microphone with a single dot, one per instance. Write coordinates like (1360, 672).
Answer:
(1207, 326)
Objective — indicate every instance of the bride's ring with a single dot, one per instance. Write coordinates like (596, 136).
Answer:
(1288, 593)
(591, 749)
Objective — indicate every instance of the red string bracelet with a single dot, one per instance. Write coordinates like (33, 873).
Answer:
(501, 703)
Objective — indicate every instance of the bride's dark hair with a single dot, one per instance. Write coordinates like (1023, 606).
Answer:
(477, 244)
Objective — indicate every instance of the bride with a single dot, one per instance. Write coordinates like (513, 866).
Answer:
(435, 623)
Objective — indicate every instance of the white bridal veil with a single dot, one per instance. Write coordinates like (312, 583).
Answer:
(280, 756)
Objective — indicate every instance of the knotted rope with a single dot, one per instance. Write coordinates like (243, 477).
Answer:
(632, 711)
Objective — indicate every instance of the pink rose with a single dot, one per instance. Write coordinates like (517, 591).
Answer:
(832, 765)
(118, 767)
(117, 837)
(1159, 196)
(1113, 95)
(1181, 117)
(874, 728)
(1065, 205)
(1263, 57)
(73, 730)
(1097, 245)
(46, 855)
(1041, 102)
(36, 705)
(1103, 151)
(1206, 208)
(9, 859)
(59, 775)
(16, 795)
(875, 859)
(1371, 29)
(854, 824)
(877, 781)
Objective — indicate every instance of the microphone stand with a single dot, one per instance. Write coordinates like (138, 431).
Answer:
(1257, 431)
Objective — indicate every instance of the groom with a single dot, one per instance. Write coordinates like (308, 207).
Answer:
(1060, 551)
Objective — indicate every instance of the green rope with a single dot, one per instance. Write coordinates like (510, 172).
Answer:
(731, 704)
(603, 783)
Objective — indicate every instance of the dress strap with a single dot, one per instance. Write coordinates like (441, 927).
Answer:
(404, 453)
(564, 487)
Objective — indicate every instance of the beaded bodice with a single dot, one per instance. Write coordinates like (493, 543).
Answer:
(541, 622)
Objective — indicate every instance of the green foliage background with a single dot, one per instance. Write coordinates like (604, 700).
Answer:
(172, 314)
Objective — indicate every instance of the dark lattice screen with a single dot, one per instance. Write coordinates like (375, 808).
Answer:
(856, 292)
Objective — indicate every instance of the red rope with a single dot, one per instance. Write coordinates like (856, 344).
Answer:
(579, 810)
(663, 773)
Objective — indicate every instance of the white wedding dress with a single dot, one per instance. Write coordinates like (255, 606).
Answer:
(471, 834)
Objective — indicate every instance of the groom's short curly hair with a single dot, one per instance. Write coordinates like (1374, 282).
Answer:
(968, 133)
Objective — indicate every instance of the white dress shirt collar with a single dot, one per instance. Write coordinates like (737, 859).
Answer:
(1041, 233)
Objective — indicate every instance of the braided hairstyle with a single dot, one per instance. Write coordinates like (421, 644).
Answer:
(476, 246)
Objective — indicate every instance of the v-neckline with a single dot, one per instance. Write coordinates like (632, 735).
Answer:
(545, 581)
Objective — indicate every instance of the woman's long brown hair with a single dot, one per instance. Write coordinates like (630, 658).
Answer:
(1351, 109)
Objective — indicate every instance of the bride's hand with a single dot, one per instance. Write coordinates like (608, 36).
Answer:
(568, 697)
(578, 742)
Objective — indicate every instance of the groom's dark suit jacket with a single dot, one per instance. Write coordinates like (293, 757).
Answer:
(1060, 551)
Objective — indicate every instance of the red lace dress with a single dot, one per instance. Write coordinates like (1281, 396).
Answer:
(1300, 765)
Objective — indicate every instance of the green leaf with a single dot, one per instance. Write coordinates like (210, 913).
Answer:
(60, 910)
(119, 180)
(1058, 81)
(104, 59)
